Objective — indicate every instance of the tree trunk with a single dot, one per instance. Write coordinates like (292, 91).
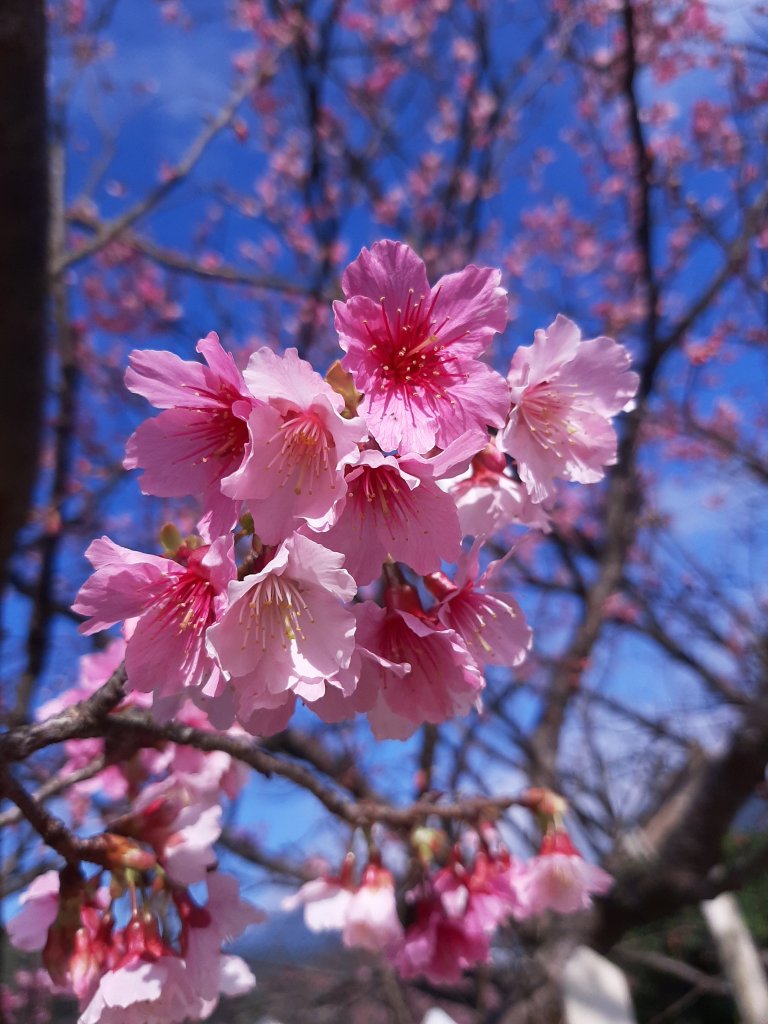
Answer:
(23, 260)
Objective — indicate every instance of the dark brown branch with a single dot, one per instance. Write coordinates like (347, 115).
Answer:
(246, 847)
(80, 721)
(52, 830)
(55, 786)
(673, 968)
(356, 813)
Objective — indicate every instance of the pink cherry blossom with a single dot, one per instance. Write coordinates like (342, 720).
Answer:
(437, 679)
(205, 929)
(143, 991)
(286, 629)
(299, 444)
(440, 945)
(233, 977)
(488, 499)
(28, 930)
(67, 923)
(413, 350)
(350, 691)
(393, 512)
(484, 895)
(371, 920)
(174, 603)
(181, 823)
(491, 624)
(326, 903)
(94, 670)
(213, 771)
(564, 393)
(560, 879)
(202, 435)
(92, 950)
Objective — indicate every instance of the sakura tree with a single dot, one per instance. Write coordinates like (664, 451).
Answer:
(443, 538)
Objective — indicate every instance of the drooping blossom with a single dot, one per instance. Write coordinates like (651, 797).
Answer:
(150, 978)
(205, 929)
(476, 896)
(173, 601)
(142, 972)
(488, 499)
(92, 950)
(564, 393)
(491, 624)
(299, 445)
(437, 677)
(344, 697)
(365, 913)
(413, 351)
(144, 991)
(371, 920)
(64, 917)
(286, 629)
(456, 914)
(560, 879)
(325, 899)
(439, 945)
(201, 436)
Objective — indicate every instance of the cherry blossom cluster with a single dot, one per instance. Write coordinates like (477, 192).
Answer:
(338, 560)
(446, 922)
(164, 962)
(372, 478)
(163, 966)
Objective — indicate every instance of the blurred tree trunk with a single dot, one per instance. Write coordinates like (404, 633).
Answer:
(23, 247)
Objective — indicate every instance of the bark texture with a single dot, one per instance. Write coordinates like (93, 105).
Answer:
(23, 261)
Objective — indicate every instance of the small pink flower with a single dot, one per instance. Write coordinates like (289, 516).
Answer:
(143, 991)
(488, 499)
(181, 823)
(299, 444)
(393, 509)
(564, 393)
(92, 950)
(201, 437)
(325, 900)
(371, 920)
(174, 602)
(206, 771)
(439, 945)
(413, 350)
(492, 625)
(286, 629)
(437, 677)
(560, 879)
(205, 929)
